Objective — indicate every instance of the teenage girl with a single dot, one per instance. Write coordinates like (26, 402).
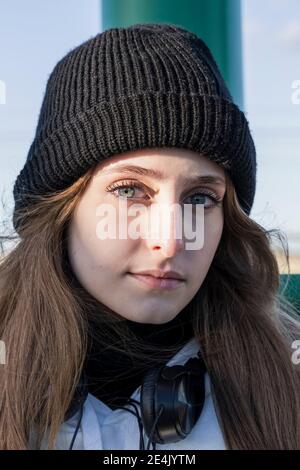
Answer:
(140, 117)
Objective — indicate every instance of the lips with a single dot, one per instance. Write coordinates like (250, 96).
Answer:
(158, 274)
(157, 282)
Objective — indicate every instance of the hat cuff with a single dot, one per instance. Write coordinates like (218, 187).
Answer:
(211, 125)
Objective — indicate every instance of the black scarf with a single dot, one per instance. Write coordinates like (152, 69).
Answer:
(113, 376)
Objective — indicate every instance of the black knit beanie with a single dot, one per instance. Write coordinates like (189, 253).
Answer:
(147, 85)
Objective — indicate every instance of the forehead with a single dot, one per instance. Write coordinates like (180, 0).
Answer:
(161, 164)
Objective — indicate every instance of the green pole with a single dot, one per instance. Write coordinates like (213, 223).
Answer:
(290, 288)
(217, 22)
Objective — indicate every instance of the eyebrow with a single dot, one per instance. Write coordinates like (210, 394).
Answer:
(158, 175)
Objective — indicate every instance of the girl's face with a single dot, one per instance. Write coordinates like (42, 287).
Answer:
(105, 267)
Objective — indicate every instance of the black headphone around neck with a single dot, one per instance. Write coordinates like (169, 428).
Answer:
(172, 398)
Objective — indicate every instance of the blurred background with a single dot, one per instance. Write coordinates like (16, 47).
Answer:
(255, 42)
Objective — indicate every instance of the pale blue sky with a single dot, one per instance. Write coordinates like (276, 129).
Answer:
(34, 35)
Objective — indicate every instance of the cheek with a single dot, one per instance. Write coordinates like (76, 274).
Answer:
(203, 258)
(91, 256)
(213, 231)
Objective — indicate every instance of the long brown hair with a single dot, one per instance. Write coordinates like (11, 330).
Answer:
(244, 326)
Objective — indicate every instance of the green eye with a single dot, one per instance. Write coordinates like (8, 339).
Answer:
(126, 189)
(201, 196)
(124, 186)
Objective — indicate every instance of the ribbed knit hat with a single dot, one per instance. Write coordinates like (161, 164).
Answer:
(147, 85)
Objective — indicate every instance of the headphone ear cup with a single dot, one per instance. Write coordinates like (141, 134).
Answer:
(147, 399)
(180, 389)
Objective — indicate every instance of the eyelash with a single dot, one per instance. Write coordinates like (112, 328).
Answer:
(134, 184)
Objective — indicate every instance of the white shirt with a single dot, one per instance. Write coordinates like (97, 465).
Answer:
(102, 428)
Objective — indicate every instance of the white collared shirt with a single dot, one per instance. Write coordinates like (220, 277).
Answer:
(102, 428)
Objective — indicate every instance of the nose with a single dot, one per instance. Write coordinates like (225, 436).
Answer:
(166, 234)
(169, 248)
